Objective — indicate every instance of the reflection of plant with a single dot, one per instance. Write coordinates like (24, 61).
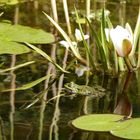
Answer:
(12, 38)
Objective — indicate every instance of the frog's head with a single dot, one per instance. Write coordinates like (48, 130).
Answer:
(71, 87)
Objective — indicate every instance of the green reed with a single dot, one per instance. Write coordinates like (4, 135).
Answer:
(107, 57)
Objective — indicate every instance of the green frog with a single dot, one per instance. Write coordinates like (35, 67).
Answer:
(96, 91)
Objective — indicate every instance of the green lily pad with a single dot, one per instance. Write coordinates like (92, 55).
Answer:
(131, 132)
(9, 47)
(19, 33)
(12, 2)
(11, 37)
(99, 122)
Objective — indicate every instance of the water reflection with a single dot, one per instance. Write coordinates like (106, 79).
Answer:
(41, 118)
(11, 117)
(52, 121)
(12, 98)
(123, 103)
(119, 103)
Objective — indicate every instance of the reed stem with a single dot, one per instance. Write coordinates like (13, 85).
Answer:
(54, 10)
(122, 12)
(127, 61)
(65, 6)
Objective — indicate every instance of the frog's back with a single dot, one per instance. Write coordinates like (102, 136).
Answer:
(95, 91)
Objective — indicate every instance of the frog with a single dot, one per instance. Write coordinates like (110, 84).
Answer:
(95, 91)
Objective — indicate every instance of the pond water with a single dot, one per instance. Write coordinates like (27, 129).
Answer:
(52, 120)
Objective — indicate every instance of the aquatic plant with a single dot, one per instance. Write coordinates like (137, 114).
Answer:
(108, 45)
(12, 2)
(117, 125)
(78, 38)
(12, 38)
(122, 41)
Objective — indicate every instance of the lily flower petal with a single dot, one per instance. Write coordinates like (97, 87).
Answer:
(64, 44)
(122, 40)
(79, 36)
(80, 70)
(74, 44)
(129, 29)
(86, 37)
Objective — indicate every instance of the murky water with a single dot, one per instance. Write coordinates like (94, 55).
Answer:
(52, 120)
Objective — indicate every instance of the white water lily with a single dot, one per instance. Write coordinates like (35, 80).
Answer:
(122, 40)
(66, 44)
(80, 69)
(78, 37)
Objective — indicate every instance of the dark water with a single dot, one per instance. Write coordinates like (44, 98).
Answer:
(52, 120)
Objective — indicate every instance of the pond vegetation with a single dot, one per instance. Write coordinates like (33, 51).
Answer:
(69, 69)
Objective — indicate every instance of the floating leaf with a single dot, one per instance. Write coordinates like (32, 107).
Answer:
(11, 35)
(9, 47)
(12, 2)
(130, 132)
(99, 122)
(19, 33)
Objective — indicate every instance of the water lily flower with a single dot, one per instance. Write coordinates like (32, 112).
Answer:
(66, 44)
(122, 40)
(78, 37)
(80, 69)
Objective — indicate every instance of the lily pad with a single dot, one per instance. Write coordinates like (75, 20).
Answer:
(11, 37)
(19, 33)
(9, 47)
(131, 132)
(99, 122)
(12, 2)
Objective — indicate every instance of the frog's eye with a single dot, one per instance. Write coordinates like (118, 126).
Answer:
(71, 84)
